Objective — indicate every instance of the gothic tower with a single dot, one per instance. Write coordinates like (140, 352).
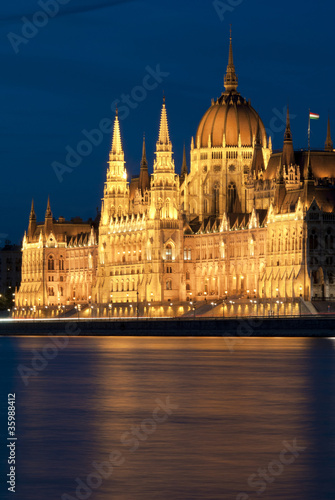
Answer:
(165, 225)
(116, 192)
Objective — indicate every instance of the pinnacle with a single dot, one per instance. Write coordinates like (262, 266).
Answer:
(116, 142)
(230, 78)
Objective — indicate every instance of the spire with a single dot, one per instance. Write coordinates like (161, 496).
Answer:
(144, 181)
(184, 165)
(116, 142)
(32, 221)
(184, 171)
(230, 79)
(48, 213)
(144, 162)
(329, 142)
(32, 215)
(116, 171)
(288, 134)
(288, 152)
(164, 143)
(258, 159)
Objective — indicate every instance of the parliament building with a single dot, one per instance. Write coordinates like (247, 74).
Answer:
(243, 231)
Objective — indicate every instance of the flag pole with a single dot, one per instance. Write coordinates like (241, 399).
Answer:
(309, 130)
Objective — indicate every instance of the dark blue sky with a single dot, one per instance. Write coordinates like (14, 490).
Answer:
(65, 77)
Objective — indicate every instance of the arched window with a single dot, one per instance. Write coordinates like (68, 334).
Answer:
(205, 206)
(313, 240)
(216, 199)
(188, 287)
(187, 275)
(231, 196)
(280, 243)
(51, 263)
(329, 239)
(167, 208)
(272, 244)
(168, 252)
(61, 263)
(169, 285)
(293, 243)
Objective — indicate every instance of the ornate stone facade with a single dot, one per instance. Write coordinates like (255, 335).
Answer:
(246, 230)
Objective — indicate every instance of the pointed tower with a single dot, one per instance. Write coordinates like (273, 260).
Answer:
(288, 152)
(184, 170)
(164, 188)
(144, 181)
(32, 221)
(230, 78)
(287, 159)
(48, 213)
(164, 236)
(116, 193)
(329, 142)
(163, 143)
(48, 221)
(257, 160)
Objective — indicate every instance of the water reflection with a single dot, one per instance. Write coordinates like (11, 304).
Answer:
(231, 412)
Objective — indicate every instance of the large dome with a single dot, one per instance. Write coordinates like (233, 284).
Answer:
(231, 115)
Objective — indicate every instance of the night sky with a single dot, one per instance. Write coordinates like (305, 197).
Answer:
(64, 77)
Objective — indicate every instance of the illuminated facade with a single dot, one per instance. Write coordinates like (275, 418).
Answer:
(246, 229)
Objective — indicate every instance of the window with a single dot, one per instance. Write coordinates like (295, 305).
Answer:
(313, 240)
(187, 254)
(167, 208)
(188, 287)
(329, 239)
(61, 263)
(187, 275)
(231, 196)
(169, 269)
(216, 199)
(51, 291)
(51, 263)
(168, 252)
(169, 285)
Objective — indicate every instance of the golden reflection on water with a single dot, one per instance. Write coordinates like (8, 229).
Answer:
(234, 408)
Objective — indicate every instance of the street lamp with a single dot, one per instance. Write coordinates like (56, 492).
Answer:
(111, 304)
(137, 305)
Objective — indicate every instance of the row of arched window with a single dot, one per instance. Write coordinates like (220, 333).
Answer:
(51, 263)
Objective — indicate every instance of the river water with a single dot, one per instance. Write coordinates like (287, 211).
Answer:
(170, 418)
